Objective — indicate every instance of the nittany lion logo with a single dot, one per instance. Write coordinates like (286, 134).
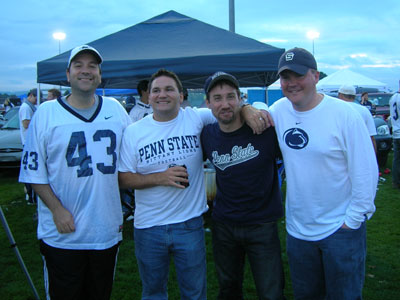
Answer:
(295, 138)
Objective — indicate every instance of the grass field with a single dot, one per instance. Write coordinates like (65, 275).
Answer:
(382, 268)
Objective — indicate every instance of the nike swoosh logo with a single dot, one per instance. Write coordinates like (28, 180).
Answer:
(297, 123)
(106, 118)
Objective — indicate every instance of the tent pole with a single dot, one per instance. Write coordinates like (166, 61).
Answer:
(19, 257)
(232, 16)
(39, 99)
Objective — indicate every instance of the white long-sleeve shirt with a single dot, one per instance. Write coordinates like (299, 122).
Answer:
(330, 165)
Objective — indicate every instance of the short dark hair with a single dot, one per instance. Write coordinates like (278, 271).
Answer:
(34, 93)
(364, 93)
(220, 83)
(185, 94)
(142, 86)
(170, 74)
(55, 92)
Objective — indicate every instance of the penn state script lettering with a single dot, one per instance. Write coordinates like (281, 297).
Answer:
(237, 156)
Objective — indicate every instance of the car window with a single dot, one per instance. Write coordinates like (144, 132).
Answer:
(378, 100)
(13, 123)
(8, 115)
(382, 100)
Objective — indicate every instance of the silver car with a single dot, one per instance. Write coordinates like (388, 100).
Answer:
(10, 141)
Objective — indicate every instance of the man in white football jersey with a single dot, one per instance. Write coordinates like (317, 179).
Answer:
(395, 118)
(70, 158)
(142, 107)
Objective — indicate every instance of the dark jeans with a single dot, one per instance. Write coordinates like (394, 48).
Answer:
(332, 268)
(261, 244)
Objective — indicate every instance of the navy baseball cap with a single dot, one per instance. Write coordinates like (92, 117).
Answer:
(218, 76)
(84, 48)
(297, 60)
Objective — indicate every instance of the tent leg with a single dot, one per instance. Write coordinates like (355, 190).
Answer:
(40, 100)
(14, 246)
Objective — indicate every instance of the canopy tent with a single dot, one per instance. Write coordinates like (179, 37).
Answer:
(116, 92)
(192, 49)
(333, 82)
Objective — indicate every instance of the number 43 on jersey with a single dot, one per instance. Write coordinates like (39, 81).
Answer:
(78, 156)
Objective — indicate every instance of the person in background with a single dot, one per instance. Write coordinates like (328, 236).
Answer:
(395, 119)
(8, 105)
(26, 111)
(162, 159)
(185, 102)
(248, 201)
(142, 107)
(331, 175)
(53, 94)
(70, 158)
(365, 102)
(348, 93)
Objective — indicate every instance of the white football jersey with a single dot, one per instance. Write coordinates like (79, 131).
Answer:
(140, 110)
(78, 158)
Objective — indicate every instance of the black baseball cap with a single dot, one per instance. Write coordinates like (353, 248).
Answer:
(298, 60)
(218, 76)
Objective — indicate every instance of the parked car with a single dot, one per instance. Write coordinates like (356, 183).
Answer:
(383, 140)
(10, 141)
(381, 103)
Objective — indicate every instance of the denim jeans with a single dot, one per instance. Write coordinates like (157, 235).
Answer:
(261, 244)
(396, 162)
(186, 244)
(332, 268)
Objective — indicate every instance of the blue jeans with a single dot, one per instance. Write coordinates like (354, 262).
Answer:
(332, 268)
(396, 162)
(186, 244)
(261, 244)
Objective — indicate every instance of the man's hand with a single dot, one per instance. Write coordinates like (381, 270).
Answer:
(171, 177)
(64, 220)
(258, 120)
(175, 176)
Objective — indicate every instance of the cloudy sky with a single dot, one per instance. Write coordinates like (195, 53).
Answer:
(356, 34)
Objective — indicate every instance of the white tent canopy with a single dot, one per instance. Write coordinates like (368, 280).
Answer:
(333, 82)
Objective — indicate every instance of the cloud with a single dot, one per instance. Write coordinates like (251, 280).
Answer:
(358, 55)
(389, 65)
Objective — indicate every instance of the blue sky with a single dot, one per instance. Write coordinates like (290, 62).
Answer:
(360, 35)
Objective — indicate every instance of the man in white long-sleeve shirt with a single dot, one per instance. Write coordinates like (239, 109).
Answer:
(330, 186)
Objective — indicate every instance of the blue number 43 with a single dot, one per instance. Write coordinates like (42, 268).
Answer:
(77, 144)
